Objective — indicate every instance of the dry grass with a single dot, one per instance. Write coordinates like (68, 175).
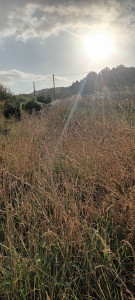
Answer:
(67, 205)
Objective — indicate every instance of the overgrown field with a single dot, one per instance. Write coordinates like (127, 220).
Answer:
(67, 195)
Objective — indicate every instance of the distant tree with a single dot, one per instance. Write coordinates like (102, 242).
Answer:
(75, 87)
(90, 83)
(120, 77)
(46, 99)
(32, 106)
(105, 71)
(103, 78)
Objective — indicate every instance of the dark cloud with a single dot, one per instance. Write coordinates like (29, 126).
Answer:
(31, 18)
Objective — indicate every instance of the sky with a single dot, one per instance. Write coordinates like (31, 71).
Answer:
(39, 38)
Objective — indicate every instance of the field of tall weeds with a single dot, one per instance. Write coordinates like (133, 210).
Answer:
(67, 195)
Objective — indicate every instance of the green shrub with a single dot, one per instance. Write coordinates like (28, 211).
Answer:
(4, 93)
(31, 106)
(22, 99)
(46, 99)
(12, 108)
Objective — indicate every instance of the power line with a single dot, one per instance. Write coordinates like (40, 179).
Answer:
(37, 83)
(24, 91)
(75, 74)
(49, 77)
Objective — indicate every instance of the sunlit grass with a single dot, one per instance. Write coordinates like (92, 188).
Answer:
(67, 204)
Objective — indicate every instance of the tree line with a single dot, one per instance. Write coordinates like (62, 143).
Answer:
(114, 79)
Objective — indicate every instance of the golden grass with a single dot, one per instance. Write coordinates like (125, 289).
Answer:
(67, 205)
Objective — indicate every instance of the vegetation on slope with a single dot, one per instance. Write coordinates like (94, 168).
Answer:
(116, 80)
(67, 193)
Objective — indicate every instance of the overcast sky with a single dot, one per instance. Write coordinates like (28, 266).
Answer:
(39, 38)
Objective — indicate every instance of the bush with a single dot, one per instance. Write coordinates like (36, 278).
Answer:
(31, 106)
(22, 99)
(12, 108)
(46, 99)
(4, 93)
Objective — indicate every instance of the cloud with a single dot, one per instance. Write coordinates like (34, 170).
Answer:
(31, 19)
(23, 81)
(16, 78)
(7, 75)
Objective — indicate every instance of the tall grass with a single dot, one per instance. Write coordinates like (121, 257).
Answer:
(67, 204)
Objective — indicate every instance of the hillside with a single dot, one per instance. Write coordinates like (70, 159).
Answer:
(61, 92)
(116, 79)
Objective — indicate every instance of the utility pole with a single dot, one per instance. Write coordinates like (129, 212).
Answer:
(34, 89)
(54, 87)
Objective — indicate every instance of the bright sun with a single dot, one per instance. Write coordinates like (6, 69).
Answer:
(99, 45)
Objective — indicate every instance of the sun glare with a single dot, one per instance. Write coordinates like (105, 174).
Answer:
(99, 45)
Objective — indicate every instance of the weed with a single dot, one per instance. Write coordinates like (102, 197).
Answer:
(67, 204)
